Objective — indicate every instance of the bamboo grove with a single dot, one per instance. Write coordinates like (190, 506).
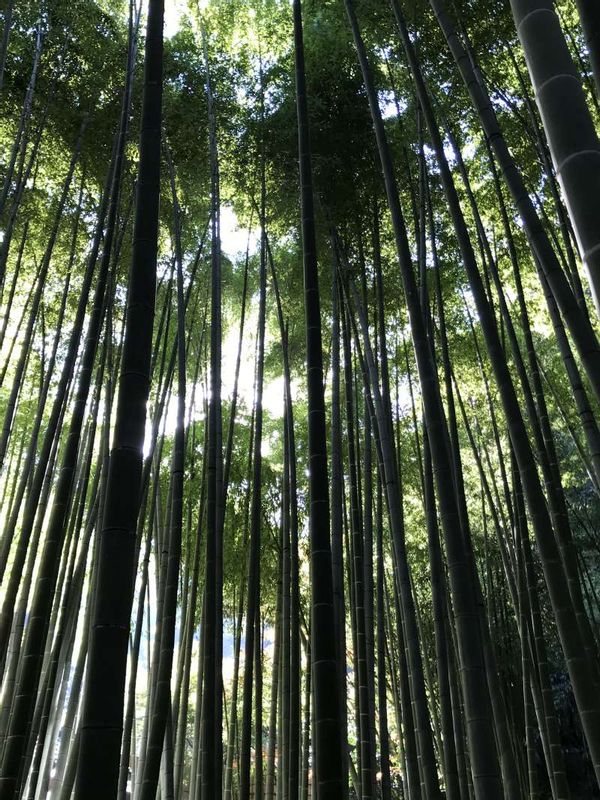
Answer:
(300, 400)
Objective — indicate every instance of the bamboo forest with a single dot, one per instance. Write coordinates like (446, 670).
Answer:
(299, 399)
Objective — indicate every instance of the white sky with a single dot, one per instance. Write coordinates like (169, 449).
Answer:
(234, 241)
(174, 9)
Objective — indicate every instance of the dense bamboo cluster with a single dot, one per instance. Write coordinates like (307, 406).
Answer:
(299, 400)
